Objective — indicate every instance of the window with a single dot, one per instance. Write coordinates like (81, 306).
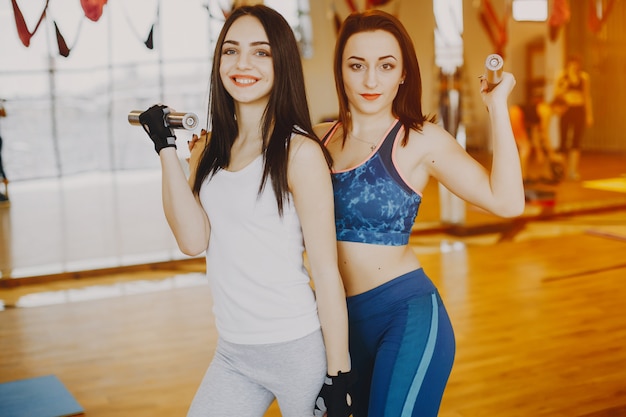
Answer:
(110, 71)
(297, 14)
(448, 34)
(530, 10)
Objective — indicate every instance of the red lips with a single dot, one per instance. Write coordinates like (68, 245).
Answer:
(370, 97)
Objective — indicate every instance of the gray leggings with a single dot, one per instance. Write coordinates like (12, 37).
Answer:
(243, 380)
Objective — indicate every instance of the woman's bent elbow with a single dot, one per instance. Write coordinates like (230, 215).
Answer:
(512, 209)
(192, 248)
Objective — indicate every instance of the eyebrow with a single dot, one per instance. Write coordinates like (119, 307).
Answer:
(256, 43)
(380, 58)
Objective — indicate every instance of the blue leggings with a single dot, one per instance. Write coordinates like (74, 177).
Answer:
(402, 348)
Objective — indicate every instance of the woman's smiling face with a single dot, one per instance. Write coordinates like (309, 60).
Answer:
(246, 66)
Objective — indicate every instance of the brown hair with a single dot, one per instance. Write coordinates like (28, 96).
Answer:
(287, 111)
(407, 105)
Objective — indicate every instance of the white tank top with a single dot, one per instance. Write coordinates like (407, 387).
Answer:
(261, 289)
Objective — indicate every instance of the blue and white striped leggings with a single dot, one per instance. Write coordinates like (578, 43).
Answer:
(402, 347)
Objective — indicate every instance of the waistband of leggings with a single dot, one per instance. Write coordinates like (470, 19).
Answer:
(378, 300)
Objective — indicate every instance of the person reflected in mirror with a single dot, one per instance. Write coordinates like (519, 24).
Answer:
(540, 161)
(573, 88)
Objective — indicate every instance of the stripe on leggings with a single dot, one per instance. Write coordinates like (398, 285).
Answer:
(429, 350)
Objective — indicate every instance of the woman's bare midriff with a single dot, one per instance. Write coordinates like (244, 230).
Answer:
(372, 265)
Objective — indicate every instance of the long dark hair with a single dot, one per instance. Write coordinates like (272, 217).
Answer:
(407, 105)
(287, 110)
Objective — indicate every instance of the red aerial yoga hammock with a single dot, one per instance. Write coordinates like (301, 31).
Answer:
(93, 11)
(494, 26)
(20, 23)
(93, 8)
(596, 22)
(559, 17)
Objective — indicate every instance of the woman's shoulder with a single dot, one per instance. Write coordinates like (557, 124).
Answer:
(321, 129)
(303, 145)
(430, 138)
(428, 132)
(306, 156)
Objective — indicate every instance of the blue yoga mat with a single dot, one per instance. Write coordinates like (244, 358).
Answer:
(44, 396)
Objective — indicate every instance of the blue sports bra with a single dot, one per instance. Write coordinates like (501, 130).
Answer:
(373, 204)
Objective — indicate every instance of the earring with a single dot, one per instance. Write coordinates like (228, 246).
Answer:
(402, 81)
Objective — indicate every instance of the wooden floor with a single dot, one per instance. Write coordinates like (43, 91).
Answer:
(537, 305)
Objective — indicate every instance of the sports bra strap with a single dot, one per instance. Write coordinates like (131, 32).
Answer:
(387, 146)
(330, 133)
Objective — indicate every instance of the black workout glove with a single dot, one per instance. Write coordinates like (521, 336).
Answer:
(155, 125)
(335, 398)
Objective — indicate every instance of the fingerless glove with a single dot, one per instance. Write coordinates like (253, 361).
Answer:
(335, 397)
(155, 125)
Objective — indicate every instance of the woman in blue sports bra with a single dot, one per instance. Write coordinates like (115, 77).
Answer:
(384, 151)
